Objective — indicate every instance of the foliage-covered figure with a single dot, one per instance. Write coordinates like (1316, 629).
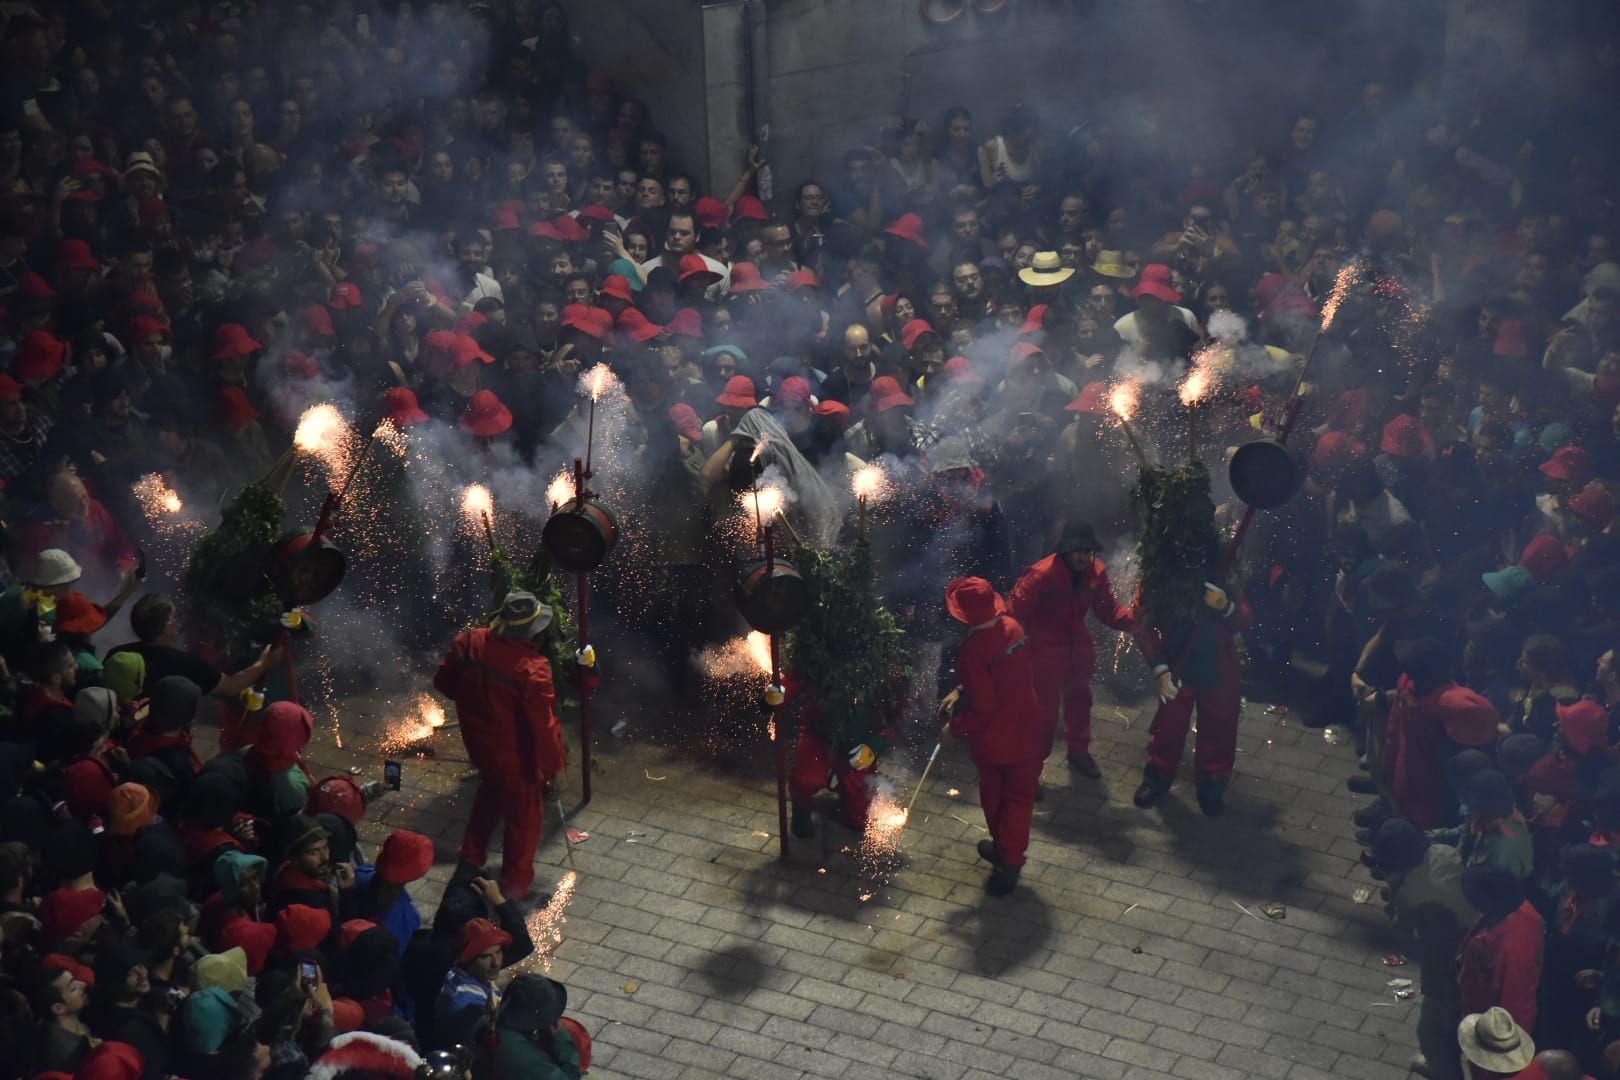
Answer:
(1189, 625)
(848, 677)
(228, 586)
(556, 641)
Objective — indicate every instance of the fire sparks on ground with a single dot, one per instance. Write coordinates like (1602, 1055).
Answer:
(1348, 273)
(545, 926)
(411, 732)
(880, 841)
(1123, 399)
(324, 434)
(560, 491)
(598, 381)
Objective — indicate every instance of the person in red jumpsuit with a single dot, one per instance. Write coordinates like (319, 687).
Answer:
(507, 707)
(993, 708)
(1499, 962)
(1051, 602)
(1431, 719)
(847, 753)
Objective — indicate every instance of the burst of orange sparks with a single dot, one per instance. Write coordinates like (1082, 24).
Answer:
(476, 502)
(1341, 286)
(765, 502)
(1122, 400)
(545, 926)
(1195, 385)
(759, 650)
(870, 482)
(770, 728)
(885, 821)
(598, 380)
(759, 448)
(426, 717)
(561, 489)
(323, 433)
(156, 496)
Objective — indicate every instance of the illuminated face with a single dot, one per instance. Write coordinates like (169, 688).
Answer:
(556, 177)
(1304, 132)
(1071, 213)
(649, 193)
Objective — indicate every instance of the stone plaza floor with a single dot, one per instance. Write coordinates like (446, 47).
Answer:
(1135, 947)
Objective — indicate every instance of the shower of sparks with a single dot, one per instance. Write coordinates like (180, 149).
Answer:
(880, 840)
(1341, 286)
(391, 438)
(477, 504)
(325, 435)
(871, 483)
(412, 731)
(770, 729)
(560, 491)
(156, 497)
(760, 506)
(759, 650)
(1122, 400)
(1196, 384)
(759, 448)
(741, 657)
(598, 381)
(545, 926)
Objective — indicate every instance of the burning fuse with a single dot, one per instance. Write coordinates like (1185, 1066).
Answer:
(292, 620)
(586, 657)
(253, 699)
(774, 695)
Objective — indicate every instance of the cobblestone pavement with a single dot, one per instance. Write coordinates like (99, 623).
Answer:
(1134, 949)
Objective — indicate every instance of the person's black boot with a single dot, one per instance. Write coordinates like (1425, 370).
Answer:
(1153, 788)
(804, 826)
(1211, 795)
(1362, 785)
(1085, 765)
(1372, 815)
(988, 852)
(1003, 880)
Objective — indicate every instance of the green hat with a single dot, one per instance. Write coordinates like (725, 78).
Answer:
(124, 673)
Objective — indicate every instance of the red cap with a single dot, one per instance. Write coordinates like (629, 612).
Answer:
(973, 600)
(318, 321)
(144, 300)
(284, 731)
(587, 320)
(353, 928)
(486, 415)
(85, 786)
(347, 1015)
(1584, 725)
(468, 351)
(596, 212)
(40, 357)
(1570, 463)
(745, 278)
(254, 938)
(738, 394)
(470, 321)
(506, 220)
(479, 936)
(405, 857)
(886, 394)
(401, 408)
(1469, 719)
(63, 911)
(1404, 437)
(547, 230)
(300, 927)
(345, 295)
(618, 287)
(1034, 320)
(1093, 399)
(915, 329)
(795, 388)
(639, 328)
(836, 411)
(86, 167)
(60, 962)
(76, 255)
(908, 227)
(685, 419)
(235, 411)
(300, 365)
(31, 284)
(959, 369)
(686, 323)
(76, 613)
(1157, 282)
(10, 389)
(143, 328)
(1593, 505)
(1544, 557)
(803, 279)
(571, 230)
(232, 342)
(130, 808)
(338, 795)
(750, 208)
(1025, 353)
(710, 212)
(1511, 340)
(1336, 449)
(692, 266)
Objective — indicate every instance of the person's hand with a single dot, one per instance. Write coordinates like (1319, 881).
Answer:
(756, 160)
(65, 187)
(488, 891)
(344, 873)
(244, 831)
(1215, 598)
(271, 656)
(1588, 978)
(1029, 193)
(1541, 802)
(1168, 686)
(862, 758)
(1594, 1021)
(115, 903)
(318, 992)
(117, 755)
(948, 703)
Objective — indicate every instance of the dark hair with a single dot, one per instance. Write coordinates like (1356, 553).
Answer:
(159, 932)
(16, 866)
(48, 659)
(48, 990)
(150, 616)
(1547, 655)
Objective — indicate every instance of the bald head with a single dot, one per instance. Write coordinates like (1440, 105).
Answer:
(857, 347)
(1559, 1065)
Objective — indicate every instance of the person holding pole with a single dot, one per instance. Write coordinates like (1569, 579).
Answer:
(994, 709)
(506, 703)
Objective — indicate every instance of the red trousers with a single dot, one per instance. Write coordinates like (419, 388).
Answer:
(1063, 688)
(506, 792)
(1216, 750)
(1007, 793)
(813, 769)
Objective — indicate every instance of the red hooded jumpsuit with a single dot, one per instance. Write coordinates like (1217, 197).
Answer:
(508, 713)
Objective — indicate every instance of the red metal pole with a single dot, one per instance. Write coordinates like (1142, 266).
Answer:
(585, 677)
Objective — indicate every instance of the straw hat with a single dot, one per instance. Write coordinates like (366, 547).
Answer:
(1111, 264)
(1493, 1041)
(1045, 269)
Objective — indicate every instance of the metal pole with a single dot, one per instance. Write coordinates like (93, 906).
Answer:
(779, 741)
(584, 639)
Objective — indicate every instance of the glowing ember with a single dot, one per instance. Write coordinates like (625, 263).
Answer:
(1122, 400)
(324, 434)
(770, 729)
(871, 483)
(741, 657)
(157, 497)
(953, 792)
(759, 449)
(764, 503)
(759, 650)
(391, 437)
(885, 821)
(415, 728)
(1195, 385)
(477, 502)
(545, 926)
(1341, 286)
(561, 488)
(598, 381)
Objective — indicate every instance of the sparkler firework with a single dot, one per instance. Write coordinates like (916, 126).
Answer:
(325, 435)
(560, 491)
(1122, 402)
(410, 733)
(545, 926)
(1348, 273)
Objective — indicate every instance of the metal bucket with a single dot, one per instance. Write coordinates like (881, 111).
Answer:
(1264, 474)
(306, 569)
(772, 601)
(580, 535)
